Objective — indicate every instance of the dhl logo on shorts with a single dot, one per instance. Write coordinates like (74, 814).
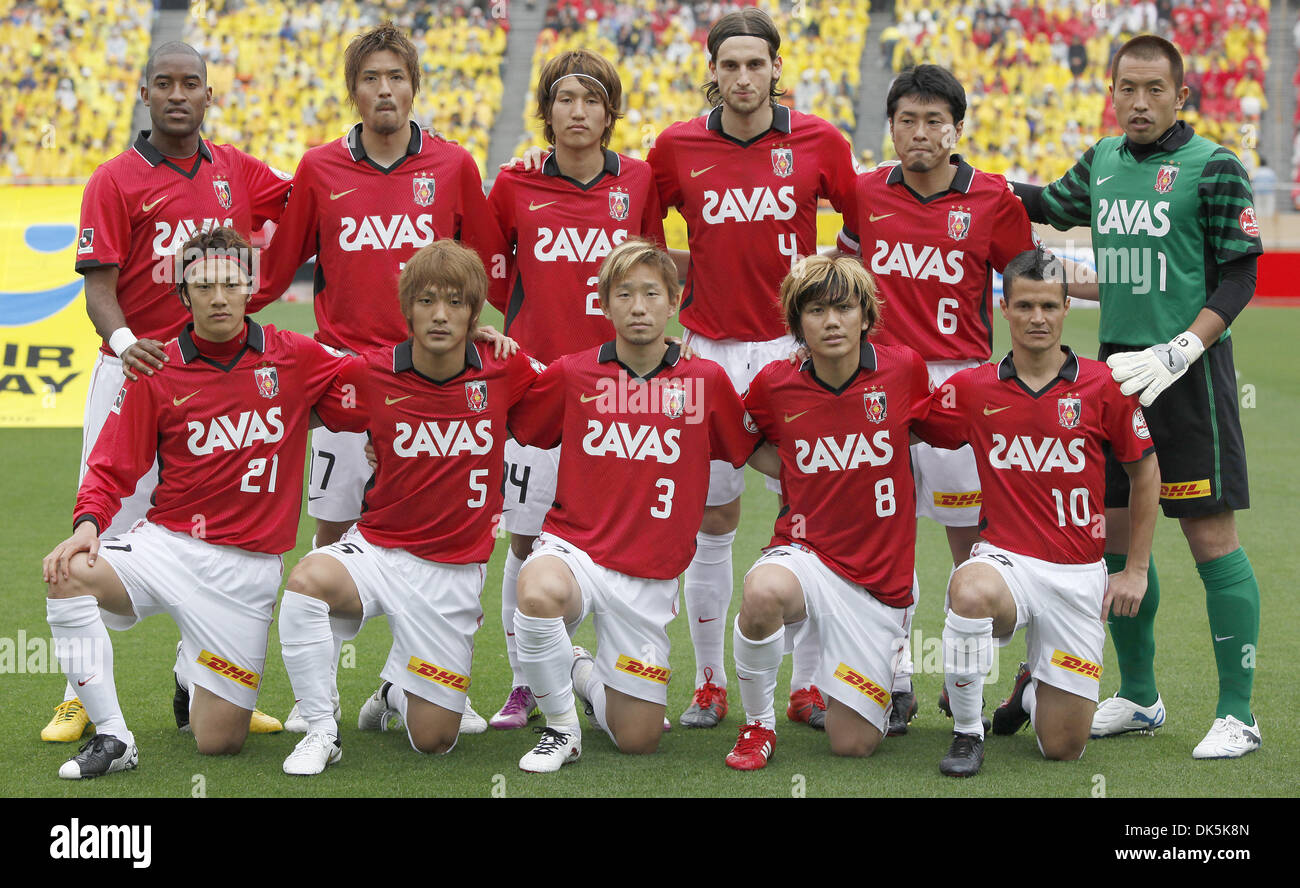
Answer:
(863, 684)
(436, 673)
(1076, 664)
(1185, 489)
(958, 500)
(224, 667)
(641, 670)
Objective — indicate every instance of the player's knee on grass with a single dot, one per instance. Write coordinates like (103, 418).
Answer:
(850, 734)
(220, 727)
(1062, 721)
(720, 520)
(637, 725)
(433, 730)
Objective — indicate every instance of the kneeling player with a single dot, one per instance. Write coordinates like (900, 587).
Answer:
(640, 427)
(841, 422)
(1039, 422)
(438, 424)
(228, 424)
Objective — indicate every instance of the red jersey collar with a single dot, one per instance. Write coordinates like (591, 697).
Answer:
(190, 352)
(960, 182)
(609, 353)
(781, 120)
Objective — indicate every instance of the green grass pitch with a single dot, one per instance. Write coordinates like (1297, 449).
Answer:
(40, 471)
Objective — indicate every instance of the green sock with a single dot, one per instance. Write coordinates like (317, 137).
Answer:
(1232, 602)
(1135, 639)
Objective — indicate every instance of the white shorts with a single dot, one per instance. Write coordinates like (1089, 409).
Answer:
(947, 481)
(1060, 604)
(106, 381)
(529, 487)
(338, 477)
(221, 597)
(631, 617)
(862, 639)
(433, 611)
(742, 361)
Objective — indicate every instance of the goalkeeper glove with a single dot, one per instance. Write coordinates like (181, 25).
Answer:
(1155, 369)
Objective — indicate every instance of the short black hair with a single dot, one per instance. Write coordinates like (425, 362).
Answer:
(1149, 47)
(174, 47)
(1037, 264)
(927, 83)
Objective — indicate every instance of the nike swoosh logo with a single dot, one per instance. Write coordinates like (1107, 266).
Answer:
(874, 218)
(176, 402)
(695, 173)
(389, 402)
(540, 696)
(702, 620)
(587, 399)
(147, 207)
(1101, 179)
(789, 418)
(966, 685)
(312, 499)
(537, 206)
(1224, 638)
(990, 411)
(82, 684)
(334, 196)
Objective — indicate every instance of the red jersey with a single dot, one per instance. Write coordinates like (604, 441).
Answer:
(141, 207)
(229, 437)
(1041, 464)
(751, 213)
(440, 448)
(363, 221)
(634, 471)
(846, 469)
(934, 257)
(558, 231)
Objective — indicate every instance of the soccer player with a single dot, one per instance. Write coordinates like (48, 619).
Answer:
(227, 423)
(559, 222)
(437, 419)
(1041, 422)
(645, 424)
(841, 555)
(932, 229)
(138, 208)
(750, 172)
(363, 204)
(1174, 229)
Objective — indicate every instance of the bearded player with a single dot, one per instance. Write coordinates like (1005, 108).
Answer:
(138, 208)
(645, 424)
(363, 204)
(559, 222)
(227, 423)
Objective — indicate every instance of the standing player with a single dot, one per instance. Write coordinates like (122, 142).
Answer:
(138, 208)
(932, 230)
(438, 406)
(1174, 229)
(559, 222)
(1042, 422)
(227, 423)
(645, 424)
(841, 556)
(750, 172)
(363, 204)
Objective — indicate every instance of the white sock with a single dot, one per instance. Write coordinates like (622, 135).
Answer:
(86, 657)
(903, 671)
(757, 663)
(546, 661)
(509, 601)
(307, 643)
(68, 692)
(707, 589)
(1030, 702)
(967, 657)
(805, 658)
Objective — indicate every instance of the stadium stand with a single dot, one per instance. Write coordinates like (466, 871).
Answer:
(276, 69)
(68, 77)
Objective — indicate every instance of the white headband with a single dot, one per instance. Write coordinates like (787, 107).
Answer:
(584, 76)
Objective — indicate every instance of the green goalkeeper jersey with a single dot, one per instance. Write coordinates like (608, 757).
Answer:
(1161, 226)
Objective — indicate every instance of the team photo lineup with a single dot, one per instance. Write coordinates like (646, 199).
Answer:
(597, 436)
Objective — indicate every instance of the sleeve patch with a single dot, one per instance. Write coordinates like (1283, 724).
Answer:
(1140, 425)
(1249, 224)
(86, 243)
(121, 397)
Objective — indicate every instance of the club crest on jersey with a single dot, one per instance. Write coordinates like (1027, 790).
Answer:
(783, 162)
(877, 408)
(1165, 177)
(422, 190)
(958, 223)
(619, 203)
(476, 395)
(1068, 411)
(268, 381)
(674, 400)
(86, 243)
(1249, 224)
(222, 188)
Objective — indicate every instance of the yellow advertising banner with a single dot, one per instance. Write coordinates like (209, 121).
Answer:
(47, 343)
